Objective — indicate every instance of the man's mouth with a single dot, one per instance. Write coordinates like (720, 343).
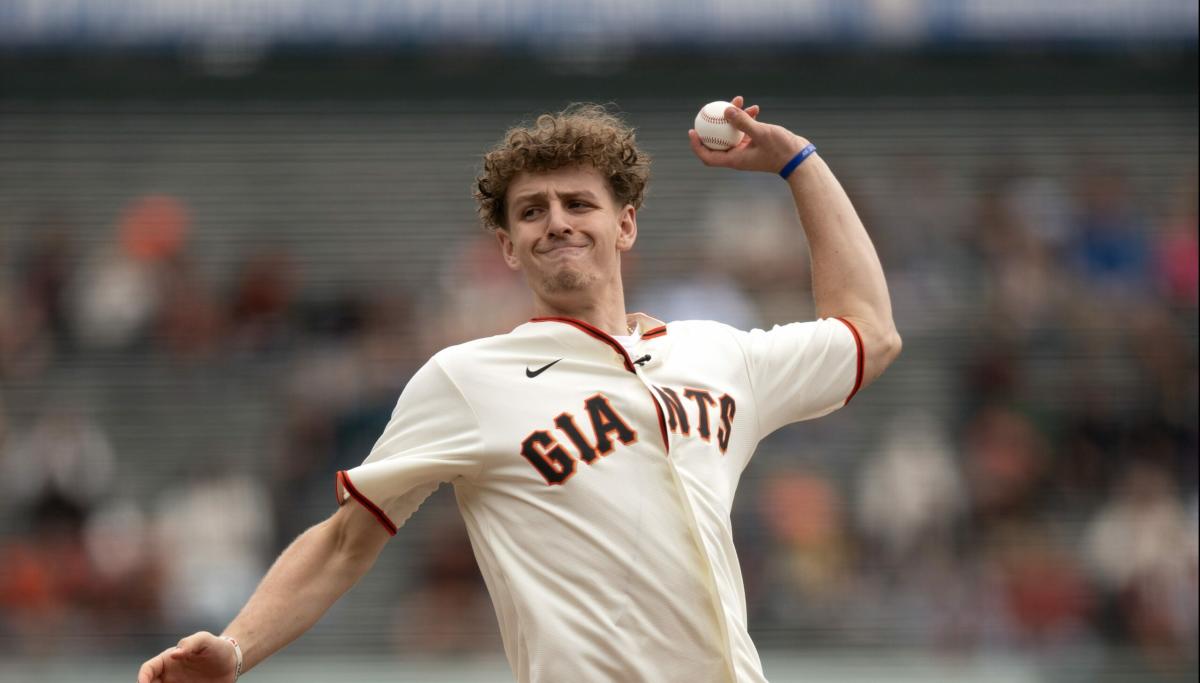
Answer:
(563, 249)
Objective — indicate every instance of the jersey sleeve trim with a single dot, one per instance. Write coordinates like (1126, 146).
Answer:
(343, 485)
(656, 332)
(858, 371)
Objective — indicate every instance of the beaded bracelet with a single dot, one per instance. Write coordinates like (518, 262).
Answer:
(237, 650)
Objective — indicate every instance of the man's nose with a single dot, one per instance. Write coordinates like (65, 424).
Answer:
(559, 222)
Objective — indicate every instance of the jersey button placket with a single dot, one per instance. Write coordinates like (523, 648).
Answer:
(694, 528)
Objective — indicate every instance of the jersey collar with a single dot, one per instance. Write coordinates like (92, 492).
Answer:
(650, 327)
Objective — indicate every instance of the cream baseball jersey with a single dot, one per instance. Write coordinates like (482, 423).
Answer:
(596, 482)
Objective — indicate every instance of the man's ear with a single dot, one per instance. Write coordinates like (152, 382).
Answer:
(627, 228)
(507, 249)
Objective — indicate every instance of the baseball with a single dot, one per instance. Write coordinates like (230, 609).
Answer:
(714, 131)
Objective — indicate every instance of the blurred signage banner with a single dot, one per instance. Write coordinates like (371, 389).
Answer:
(533, 23)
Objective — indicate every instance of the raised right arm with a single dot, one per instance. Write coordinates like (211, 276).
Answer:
(309, 576)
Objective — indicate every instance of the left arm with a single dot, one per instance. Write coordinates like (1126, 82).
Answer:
(848, 280)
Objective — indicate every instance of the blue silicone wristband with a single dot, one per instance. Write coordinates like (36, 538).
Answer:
(797, 160)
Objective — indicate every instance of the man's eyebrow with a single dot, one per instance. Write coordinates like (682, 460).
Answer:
(541, 196)
(528, 196)
(578, 194)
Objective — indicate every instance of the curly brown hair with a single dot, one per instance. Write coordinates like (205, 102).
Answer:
(579, 134)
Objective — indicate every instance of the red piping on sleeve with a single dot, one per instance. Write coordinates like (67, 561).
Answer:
(858, 373)
(656, 332)
(344, 480)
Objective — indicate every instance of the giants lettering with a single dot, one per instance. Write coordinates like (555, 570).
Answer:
(551, 459)
(557, 462)
(677, 416)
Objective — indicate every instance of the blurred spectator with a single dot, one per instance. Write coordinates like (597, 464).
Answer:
(45, 579)
(213, 534)
(53, 475)
(124, 569)
(911, 494)
(1006, 458)
(1090, 449)
(808, 569)
(1045, 592)
(1175, 250)
(1023, 284)
(1110, 246)
(115, 301)
(1142, 549)
(190, 323)
(263, 298)
(753, 236)
(66, 455)
(46, 272)
(153, 228)
(119, 294)
(33, 318)
(1161, 353)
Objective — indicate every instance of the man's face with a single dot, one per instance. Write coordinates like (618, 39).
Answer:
(566, 233)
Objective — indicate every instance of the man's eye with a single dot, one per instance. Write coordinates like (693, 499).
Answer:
(578, 205)
(529, 213)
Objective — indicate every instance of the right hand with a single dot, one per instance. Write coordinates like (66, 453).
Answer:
(764, 147)
(199, 658)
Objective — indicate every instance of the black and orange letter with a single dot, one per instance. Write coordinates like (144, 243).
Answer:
(566, 422)
(704, 401)
(676, 415)
(548, 457)
(605, 420)
(728, 409)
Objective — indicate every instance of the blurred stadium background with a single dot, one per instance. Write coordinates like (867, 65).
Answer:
(230, 231)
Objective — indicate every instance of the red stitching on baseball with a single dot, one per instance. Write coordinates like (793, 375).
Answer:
(718, 141)
(710, 119)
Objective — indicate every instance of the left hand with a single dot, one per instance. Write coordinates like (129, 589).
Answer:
(200, 658)
(765, 146)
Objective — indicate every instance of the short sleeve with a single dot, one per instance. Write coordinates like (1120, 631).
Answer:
(802, 370)
(432, 437)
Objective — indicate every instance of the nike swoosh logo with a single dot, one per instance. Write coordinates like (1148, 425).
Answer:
(534, 373)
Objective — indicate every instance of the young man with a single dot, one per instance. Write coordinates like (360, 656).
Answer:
(594, 454)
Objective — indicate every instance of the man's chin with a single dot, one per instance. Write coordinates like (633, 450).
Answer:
(566, 280)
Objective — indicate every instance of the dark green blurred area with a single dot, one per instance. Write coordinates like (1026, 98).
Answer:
(382, 75)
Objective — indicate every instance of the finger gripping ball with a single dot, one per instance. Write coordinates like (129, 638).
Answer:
(712, 128)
